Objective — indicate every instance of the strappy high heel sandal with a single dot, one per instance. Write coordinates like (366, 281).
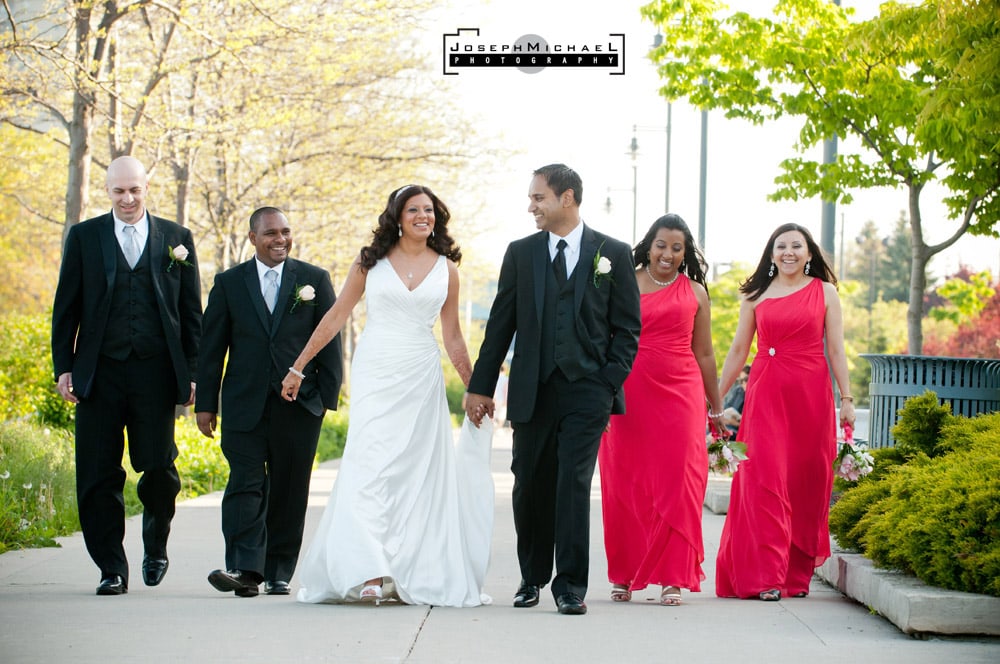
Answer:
(620, 593)
(372, 592)
(670, 596)
(772, 595)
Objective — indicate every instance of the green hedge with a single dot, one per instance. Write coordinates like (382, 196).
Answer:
(932, 508)
(27, 388)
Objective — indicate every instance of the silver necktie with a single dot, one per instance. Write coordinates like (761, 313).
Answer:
(131, 247)
(270, 289)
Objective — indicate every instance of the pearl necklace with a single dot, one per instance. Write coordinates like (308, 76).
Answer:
(662, 284)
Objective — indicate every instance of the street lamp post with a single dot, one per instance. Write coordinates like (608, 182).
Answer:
(634, 151)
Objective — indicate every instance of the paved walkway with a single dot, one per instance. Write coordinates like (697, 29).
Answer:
(49, 613)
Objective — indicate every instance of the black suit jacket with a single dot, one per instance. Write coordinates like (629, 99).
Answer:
(83, 299)
(262, 346)
(607, 320)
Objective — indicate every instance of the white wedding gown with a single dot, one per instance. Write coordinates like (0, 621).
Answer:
(410, 504)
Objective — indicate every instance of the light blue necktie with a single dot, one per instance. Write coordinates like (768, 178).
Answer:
(271, 289)
(131, 246)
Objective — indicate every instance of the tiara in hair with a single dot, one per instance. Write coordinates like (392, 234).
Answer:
(399, 191)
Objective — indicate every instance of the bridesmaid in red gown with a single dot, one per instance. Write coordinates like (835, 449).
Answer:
(653, 460)
(775, 532)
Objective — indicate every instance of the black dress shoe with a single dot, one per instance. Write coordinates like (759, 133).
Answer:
(112, 585)
(276, 588)
(241, 583)
(571, 604)
(527, 595)
(154, 569)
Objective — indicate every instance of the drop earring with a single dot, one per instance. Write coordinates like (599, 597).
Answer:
(770, 272)
(807, 266)
(400, 231)
(683, 265)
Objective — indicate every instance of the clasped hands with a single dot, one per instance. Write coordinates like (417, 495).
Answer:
(477, 406)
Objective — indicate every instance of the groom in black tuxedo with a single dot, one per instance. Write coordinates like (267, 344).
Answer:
(570, 295)
(126, 320)
(263, 312)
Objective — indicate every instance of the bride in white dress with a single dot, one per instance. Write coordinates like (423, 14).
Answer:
(411, 512)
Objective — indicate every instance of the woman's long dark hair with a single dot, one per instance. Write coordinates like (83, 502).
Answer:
(694, 261)
(757, 283)
(386, 234)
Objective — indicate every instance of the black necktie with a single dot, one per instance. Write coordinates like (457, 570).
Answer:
(559, 262)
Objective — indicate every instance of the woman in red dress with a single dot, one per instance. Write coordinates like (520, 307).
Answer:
(653, 459)
(775, 532)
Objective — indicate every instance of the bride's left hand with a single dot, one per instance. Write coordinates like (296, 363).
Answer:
(290, 386)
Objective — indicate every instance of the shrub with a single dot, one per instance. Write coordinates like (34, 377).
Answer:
(919, 427)
(27, 389)
(937, 518)
(941, 520)
(37, 486)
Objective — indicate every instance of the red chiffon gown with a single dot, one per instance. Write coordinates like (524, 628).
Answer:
(653, 460)
(776, 530)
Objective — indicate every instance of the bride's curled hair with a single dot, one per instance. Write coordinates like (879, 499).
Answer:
(386, 234)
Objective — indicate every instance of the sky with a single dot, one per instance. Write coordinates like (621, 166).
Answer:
(585, 118)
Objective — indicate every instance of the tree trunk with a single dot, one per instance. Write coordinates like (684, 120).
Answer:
(918, 275)
(80, 124)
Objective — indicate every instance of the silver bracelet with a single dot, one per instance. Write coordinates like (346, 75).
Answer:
(293, 370)
(712, 415)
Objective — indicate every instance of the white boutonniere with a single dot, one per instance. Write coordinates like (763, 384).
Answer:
(602, 268)
(303, 294)
(177, 255)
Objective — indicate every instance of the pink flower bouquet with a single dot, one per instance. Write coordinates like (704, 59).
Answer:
(725, 455)
(853, 459)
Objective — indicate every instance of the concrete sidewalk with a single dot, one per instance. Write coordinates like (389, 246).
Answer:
(49, 612)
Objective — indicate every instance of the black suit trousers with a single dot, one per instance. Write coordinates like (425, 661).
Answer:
(137, 395)
(264, 506)
(553, 463)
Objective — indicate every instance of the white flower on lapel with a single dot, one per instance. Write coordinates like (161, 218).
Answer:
(177, 255)
(303, 294)
(602, 268)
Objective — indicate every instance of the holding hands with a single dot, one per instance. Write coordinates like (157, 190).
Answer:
(476, 406)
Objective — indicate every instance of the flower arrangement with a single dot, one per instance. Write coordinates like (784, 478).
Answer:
(853, 459)
(178, 255)
(602, 268)
(303, 294)
(724, 455)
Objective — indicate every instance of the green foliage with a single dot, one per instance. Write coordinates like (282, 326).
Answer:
(200, 462)
(941, 520)
(724, 289)
(847, 514)
(918, 430)
(27, 388)
(937, 518)
(966, 298)
(332, 435)
(39, 493)
(37, 486)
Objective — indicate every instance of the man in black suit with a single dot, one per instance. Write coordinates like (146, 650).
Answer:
(125, 327)
(570, 295)
(263, 312)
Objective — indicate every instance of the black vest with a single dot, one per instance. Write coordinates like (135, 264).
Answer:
(134, 320)
(560, 346)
